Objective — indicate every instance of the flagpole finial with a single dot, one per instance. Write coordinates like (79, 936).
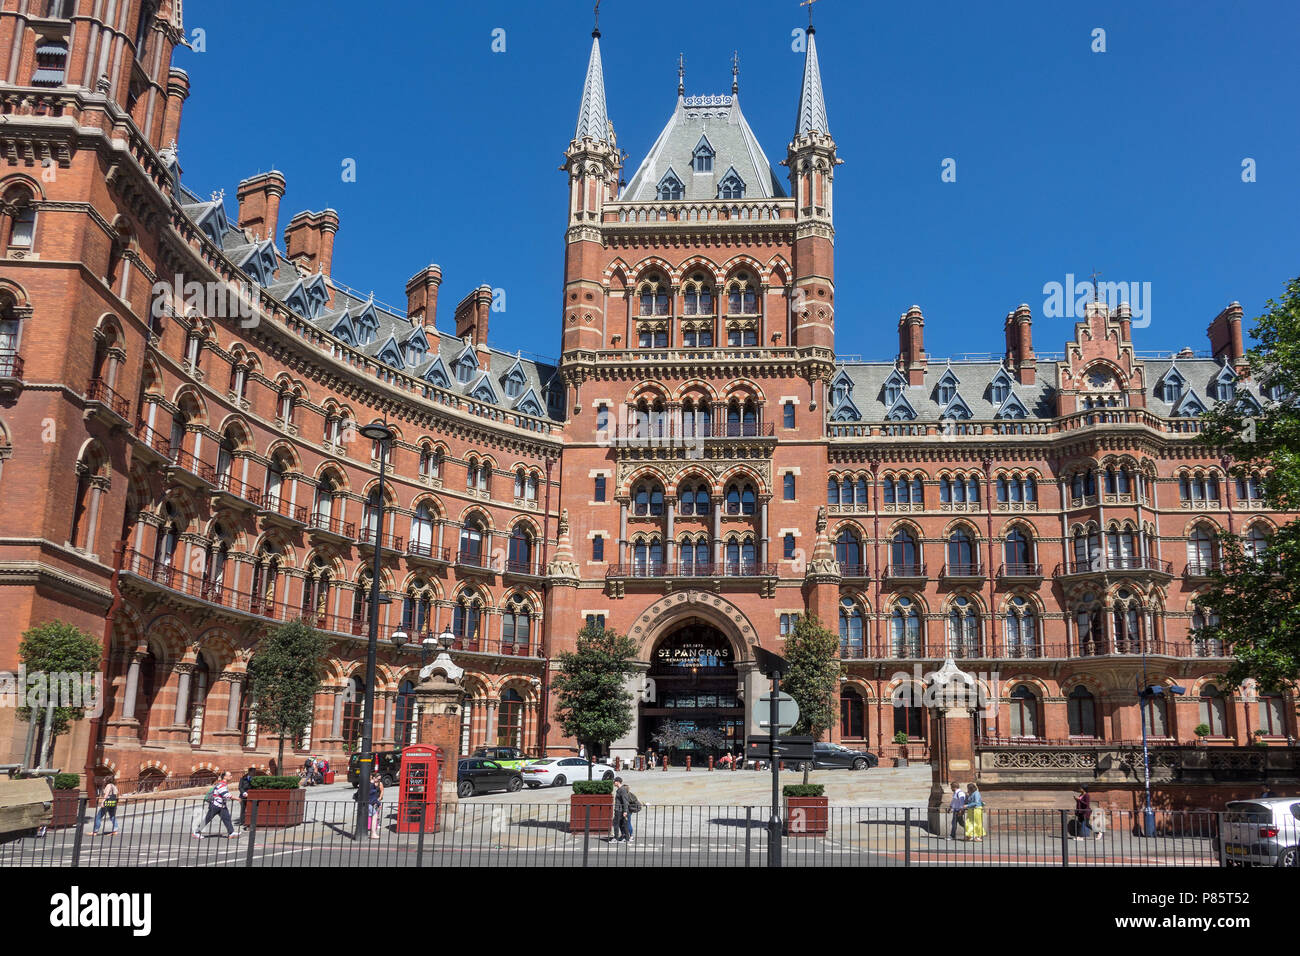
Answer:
(809, 5)
(595, 30)
(681, 74)
(735, 72)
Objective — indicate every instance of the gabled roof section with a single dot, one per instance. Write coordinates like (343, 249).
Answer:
(719, 118)
(258, 260)
(593, 119)
(846, 411)
(1013, 407)
(901, 410)
(210, 217)
(1001, 379)
(343, 328)
(436, 373)
(1225, 382)
(957, 409)
(483, 391)
(390, 353)
(1189, 406)
(529, 404)
(812, 99)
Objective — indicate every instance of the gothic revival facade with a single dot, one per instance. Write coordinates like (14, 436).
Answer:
(180, 466)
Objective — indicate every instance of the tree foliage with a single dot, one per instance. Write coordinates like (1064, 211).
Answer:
(286, 673)
(58, 653)
(593, 705)
(1251, 603)
(814, 676)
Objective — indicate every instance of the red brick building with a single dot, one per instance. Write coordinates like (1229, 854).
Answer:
(180, 467)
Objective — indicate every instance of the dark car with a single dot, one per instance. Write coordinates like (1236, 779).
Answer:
(479, 775)
(388, 767)
(827, 756)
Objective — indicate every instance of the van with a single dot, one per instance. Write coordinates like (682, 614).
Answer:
(387, 767)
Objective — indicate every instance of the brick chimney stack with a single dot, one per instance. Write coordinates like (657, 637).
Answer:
(1125, 316)
(1020, 344)
(309, 240)
(472, 321)
(178, 91)
(259, 203)
(422, 296)
(1225, 335)
(911, 345)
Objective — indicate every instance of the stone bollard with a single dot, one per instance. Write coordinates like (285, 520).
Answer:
(665, 763)
(688, 763)
(640, 762)
(618, 764)
(710, 762)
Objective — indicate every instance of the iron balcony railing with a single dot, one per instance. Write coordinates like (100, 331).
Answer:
(152, 439)
(331, 525)
(389, 542)
(1016, 570)
(11, 365)
(660, 569)
(277, 505)
(914, 649)
(99, 391)
(645, 431)
(241, 489)
(962, 570)
(195, 466)
(1130, 562)
(422, 549)
(905, 570)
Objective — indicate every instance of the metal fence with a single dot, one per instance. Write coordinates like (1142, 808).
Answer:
(480, 834)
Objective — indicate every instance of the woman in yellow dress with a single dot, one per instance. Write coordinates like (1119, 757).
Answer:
(974, 814)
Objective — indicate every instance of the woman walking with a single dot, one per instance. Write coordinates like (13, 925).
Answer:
(974, 814)
(376, 806)
(1082, 814)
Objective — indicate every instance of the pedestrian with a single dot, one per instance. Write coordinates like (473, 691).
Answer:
(974, 814)
(1266, 793)
(107, 809)
(1098, 821)
(376, 806)
(582, 751)
(218, 801)
(624, 801)
(1082, 814)
(245, 785)
(958, 807)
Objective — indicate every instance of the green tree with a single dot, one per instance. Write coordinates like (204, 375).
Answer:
(814, 674)
(593, 705)
(286, 673)
(62, 658)
(1250, 605)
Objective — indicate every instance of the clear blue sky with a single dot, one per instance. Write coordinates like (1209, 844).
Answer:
(1128, 161)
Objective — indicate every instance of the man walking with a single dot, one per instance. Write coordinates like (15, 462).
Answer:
(958, 808)
(622, 811)
(219, 806)
(245, 784)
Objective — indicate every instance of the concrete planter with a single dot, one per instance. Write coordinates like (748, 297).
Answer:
(601, 811)
(277, 808)
(807, 816)
(63, 809)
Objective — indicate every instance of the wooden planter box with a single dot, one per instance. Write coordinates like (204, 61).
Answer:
(602, 813)
(277, 808)
(63, 809)
(807, 816)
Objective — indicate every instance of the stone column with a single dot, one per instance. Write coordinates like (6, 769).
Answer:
(182, 692)
(670, 542)
(236, 684)
(132, 686)
(441, 701)
(763, 533)
(490, 721)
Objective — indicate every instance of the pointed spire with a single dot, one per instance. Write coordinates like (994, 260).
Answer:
(812, 102)
(593, 121)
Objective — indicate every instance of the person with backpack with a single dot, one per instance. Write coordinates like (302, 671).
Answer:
(218, 801)
(625, 804)
(376, 806)
(107, 809)
(245, 784)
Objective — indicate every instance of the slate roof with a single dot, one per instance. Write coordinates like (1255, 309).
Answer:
(719, 118)
(812, 98)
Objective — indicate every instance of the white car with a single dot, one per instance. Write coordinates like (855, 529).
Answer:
(558, 771)
(1264, 831)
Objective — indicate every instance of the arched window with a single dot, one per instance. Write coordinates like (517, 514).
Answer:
(904, 555)
(465, 619)
(1123, 548)
(961, 553)
(740, 499)
(1272, 715)
(742, 298)
(697, 294)
(1082, 707)
(848, 552)
(216, 553)
(851, 645)
(905, 629)
(832, 491)
(1214, 711)
(516, 626)
(1207, 647)
(471, 542)
(908, 712)
(1200, 552)
(1256, 542)
(22, 223)
(653, 296)
(1127, 623)
(354, 699)
(406, 724)
(519, 556)
(1087, 550)
(648, 499)
(1088, 626)
(370, 513)
(417, 609)
(1017, 553)
(168, 538)
(422, 530)
(9, 329)
(963, 628)
(1157, 714)
(200, 683)
(1020, 629)
(1024, 712)
(510, 720)
(647, 557)
(430, 461)
(853, 715)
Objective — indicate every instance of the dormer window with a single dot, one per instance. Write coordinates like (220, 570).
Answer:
(670, 187)
(731, 187)
(1000, 387)
(465, 369)
(703, 157)
(514, 384)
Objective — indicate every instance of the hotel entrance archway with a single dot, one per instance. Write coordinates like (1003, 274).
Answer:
(696, 687)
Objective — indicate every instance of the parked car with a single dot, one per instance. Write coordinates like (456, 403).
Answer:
(1265, 830)
(478, 775)
(557, 771)
(388, 767)
(511, 757)
(828, 756)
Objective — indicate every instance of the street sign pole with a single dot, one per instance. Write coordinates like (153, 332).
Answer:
(774, 822)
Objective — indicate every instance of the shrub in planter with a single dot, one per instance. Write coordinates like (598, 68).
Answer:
(280, 801)
(65, 800)
(591, 808)
(1201, 730)
(807, 809)
(900, 738)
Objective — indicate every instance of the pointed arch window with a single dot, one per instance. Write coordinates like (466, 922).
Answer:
(1127, 624)
(1200, 552)
(851, 645)
(697, 295)
(471, 542)
(731, 187)
(905, 629)
(465, 621)
(1020, 629)
(904, 554)
(516, 626)
(670, 187)
(848, 552)
(1214, 711)
(1082, 707)
(1024, 712)
(520, 551)
(1018, 552)
(702, 158)
(853, 715)
(406, 724)
(963, 628)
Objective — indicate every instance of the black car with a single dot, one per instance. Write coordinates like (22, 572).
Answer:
(827, 756)
(388, 767)
(479, 775)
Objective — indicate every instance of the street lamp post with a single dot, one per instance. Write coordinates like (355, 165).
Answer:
(1145, 694)
(377, 432)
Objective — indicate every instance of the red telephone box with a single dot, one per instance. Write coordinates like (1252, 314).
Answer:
(420, 779)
